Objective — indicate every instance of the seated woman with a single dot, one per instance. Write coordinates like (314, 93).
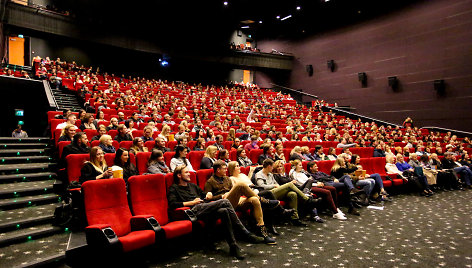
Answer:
(223, 155)
(88, 122)
(165, 133)
(446, 178)
(355, 160)
(243, 160)
(180, 159)
(341, 172)
(156, 164)
(407, 173)
(428, 170)
(210, 135)
(279, 154)
(96, 168)
(122, 160)
(209, 157)
(138, 146)
(200, 145)
(331, 154)
(67, 133)
(113, 124)
(296, 154)
(306, 154)
(106, 144)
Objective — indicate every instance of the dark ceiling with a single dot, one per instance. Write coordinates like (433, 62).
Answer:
(210, 23)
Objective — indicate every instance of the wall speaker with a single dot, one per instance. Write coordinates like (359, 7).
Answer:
(309, 69)
(439, 85)
(393, 82)
(362, 78)
(331, 65)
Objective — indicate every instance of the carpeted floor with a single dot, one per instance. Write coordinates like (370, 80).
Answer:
(411, 231)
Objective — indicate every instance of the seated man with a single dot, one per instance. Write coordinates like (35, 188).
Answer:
(79, 145)
(466, 174)
(71, 119)
(221, 187)
(160, 144)
(183, 193)
(265, 180)
(123, 134)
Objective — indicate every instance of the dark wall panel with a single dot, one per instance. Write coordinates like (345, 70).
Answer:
(424, 42)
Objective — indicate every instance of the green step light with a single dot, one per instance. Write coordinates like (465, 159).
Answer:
(59, 198)
(45, 189)
(50, 176)
(18, 153)
(18, 226)
(27, 159)
(66, 229)
(3, 160)
(14, 193)
(29, 237)
(29, 202)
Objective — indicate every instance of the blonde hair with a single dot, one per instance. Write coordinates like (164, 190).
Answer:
(65, 130)
(93, 157)
(210, 151)
(400, 157)
(104, 138)
(231, 167)
(338, 164)
(389, 158)
(296, 149)
(294, 163)
(165, 130)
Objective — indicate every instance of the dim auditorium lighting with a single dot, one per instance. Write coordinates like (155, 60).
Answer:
(260, 21)
(298, 8)
(225, 3)
(278, 17)
(244, 27)
(288, 17)
(164, 63)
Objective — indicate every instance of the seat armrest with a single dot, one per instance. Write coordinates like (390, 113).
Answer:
(101, 235)
(179, 214)
(144, 222)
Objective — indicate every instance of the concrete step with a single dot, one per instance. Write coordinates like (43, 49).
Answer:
(25, 217)
(23, 235)
(24, 140)
(25, 159)
(24, 152)
(6, 169)
(23, 145)
(28, 177)
(16, 202)
(17, 189)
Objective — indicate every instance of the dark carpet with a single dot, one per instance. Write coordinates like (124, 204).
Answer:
(411, 231)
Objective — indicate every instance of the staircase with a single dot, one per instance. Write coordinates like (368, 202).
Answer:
(65, 100)
(27, 203)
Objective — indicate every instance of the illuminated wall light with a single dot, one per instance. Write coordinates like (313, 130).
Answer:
(278, 17)
(298, 8)
(260, 22)
(244, 27)
(225, 3)
(285, 18)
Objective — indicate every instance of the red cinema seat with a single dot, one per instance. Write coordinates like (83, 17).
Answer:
(90, 133)
(107, 211)
(171, 145)
(126, 144)
(148, 197)
(202, 176)
(169, 178)
(138, 133)
(167, 157)
(60, 147)
(110, 158)
(141, 161)
(195, 158)
(254, 154)
(325, 166)
(75, 162)
(113, 133)
(150, 145)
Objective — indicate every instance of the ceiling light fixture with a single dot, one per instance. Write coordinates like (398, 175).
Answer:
(244, 27)
(225, 3)
(278, 17)
(299, 7)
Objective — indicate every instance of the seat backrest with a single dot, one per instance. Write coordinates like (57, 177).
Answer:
(126, 144)
(167, 157)
(195, 158)
(110, 158)
(202, 176)
(147, 194)
(325, 166)
(60, 147)
(106, 203)
(141, 161)
(254, 154)
(90, 133)
(75, 162)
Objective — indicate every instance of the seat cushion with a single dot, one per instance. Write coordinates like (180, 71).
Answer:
(177, 228)
(137, 239)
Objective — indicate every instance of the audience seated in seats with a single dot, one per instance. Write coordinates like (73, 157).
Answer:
(449, 162)
(130, 125)
(296, 154)
(223, 155)
(252, 145)
(123, 134)
(106, 144)
(209, 157)
(67, 133)
(242, 158)
(428, 170)
(378, 151)
(96, 168)
(102, 130)
(147, 134)
(182, 141)
(326, 186)
(160, 144)
(138, 146)
(344, 143)
(407, 173)
(288, 191)
(360, 180)
(318, 154)
(340, 171)
(181, 133)
(88, 122)
(239, 195)
(267, 153)
(165, 133)
(200, 145)
(180, 159)
(446, 178)
(156, 163)
(374, 179)
(279, 154)
(79, 145)
(236, 144)
(306, 154)
(183, 193)
(122, 160)
(113, 124)
(332, 154)
(71, 119)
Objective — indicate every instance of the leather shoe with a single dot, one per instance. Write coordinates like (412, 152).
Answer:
(235, 251)
(297, 222)
(353, 211)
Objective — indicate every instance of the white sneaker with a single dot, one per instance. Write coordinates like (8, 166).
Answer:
(339, 217)
(341, 212)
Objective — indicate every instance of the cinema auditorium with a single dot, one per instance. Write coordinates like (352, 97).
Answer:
(236, 133)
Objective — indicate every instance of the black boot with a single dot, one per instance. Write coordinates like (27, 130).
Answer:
(235, 251)
(271, 229)
(262, 231)
(269, 203)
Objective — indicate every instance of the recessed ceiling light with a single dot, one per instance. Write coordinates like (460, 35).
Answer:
(225, 3)
(260, 21)
(299, 7)
(278, 17)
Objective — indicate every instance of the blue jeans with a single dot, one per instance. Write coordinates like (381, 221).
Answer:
(367, 185)
(465, 172)
(378, 180)
(346, 179)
